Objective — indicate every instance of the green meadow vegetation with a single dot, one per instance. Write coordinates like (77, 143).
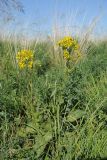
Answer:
(53, 111)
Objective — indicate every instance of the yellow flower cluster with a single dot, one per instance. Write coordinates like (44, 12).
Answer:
(66, 55)
(25, 59)
(68, 44)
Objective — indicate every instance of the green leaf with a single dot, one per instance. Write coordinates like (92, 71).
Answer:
(21, 132)
(41, 142)
(75, 115)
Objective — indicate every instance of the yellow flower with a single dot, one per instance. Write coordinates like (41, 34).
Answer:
(66, 55)
(25, 58)
(21, 65)
(24, 54)
(30, 64)
(66, 42)
(70, 45)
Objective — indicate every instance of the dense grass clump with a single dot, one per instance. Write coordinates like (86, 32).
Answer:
(53, 111)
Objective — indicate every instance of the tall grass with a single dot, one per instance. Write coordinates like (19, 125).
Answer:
(50, 112)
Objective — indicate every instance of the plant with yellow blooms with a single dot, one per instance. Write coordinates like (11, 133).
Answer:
(69, 45)
(66, 42)
(66, 55)
(25, 59)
